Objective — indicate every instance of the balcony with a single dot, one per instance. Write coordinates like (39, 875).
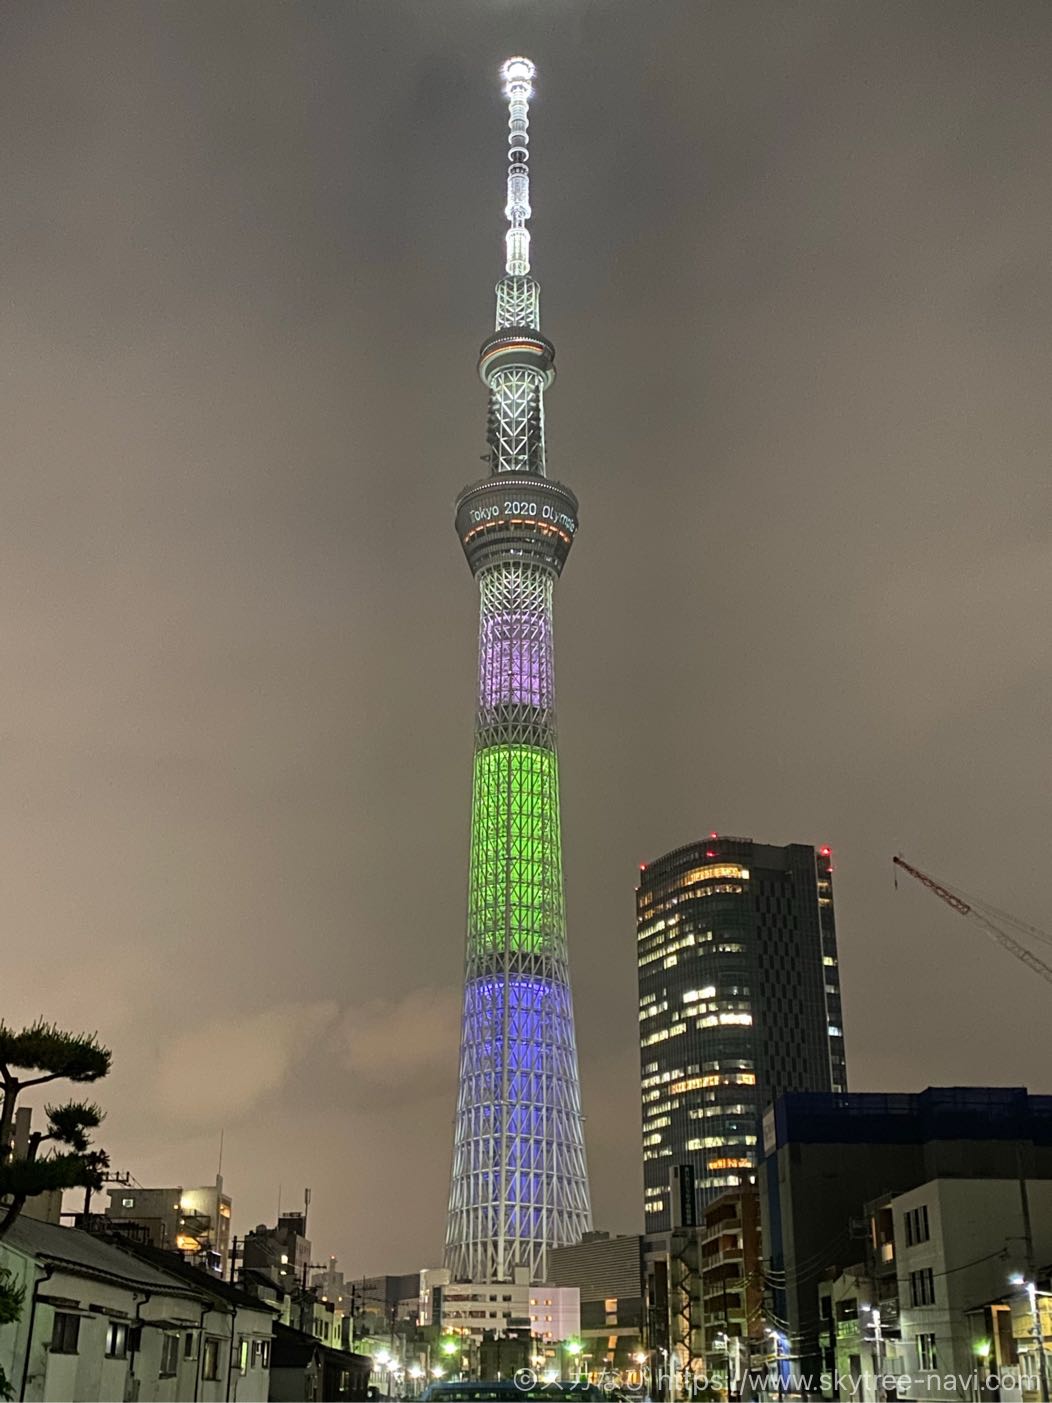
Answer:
(728, 1295)
(730, 1257)
(724, 1225)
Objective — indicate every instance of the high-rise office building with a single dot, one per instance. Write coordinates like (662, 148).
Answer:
(519, 1184)
(739, 1001)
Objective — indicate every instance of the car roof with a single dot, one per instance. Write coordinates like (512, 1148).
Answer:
(480, 1389)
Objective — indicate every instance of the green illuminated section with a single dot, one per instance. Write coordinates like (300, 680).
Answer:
(516, 893)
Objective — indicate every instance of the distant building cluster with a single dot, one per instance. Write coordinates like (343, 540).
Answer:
(162, 1306)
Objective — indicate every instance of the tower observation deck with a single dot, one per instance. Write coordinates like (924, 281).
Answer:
(519, 1182)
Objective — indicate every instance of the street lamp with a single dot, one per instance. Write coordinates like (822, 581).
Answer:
(1036, 1326)
(573, 1349)
(776, 1335)
(383, 1358)
(449, 1348)
(878, 1341)
(639, 1359)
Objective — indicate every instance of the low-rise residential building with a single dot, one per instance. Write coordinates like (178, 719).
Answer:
(194, 1222)
(552, 1312)
(236, 1327)
(383, 1307)
(930, 1302)
(731, 1282)
(608, 1273)
(331, 1287)
(304, 1369)
(675, 1313)
(100, 1324)
(109, 1318)
(282, 1253)
(956, 1243)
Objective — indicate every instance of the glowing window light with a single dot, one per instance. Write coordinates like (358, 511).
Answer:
(710, 871)
(677, 1088)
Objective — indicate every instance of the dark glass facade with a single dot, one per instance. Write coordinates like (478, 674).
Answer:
(739, 1001)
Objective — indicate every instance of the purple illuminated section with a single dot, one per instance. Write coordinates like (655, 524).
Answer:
(515, 653)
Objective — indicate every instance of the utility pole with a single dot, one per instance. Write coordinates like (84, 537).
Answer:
(1039, 1335)
(1031, 1276)
(119, 1176)
(878, 1340)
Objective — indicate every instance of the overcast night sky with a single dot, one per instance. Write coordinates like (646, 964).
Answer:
(796, 262)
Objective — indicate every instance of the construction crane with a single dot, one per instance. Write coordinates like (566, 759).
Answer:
(971, 908)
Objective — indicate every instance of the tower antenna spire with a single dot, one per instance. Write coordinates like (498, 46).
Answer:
(518, 75)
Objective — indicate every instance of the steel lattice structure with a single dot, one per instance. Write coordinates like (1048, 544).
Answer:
(519, 1181)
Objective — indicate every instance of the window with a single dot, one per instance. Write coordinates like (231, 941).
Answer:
(188, 1345)
(127, 1203)
(65, 1333)
(210, 1359)
(169, 1356)
(116, 1339)
(242, 1355)
(261, 1354)
(922, 1288)
(926, 1357)
(917, 1225)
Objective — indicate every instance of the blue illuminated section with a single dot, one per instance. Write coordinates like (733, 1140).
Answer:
(514, 1046)
(510, 1074)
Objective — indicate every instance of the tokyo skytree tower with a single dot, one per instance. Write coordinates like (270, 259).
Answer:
(519, 1182)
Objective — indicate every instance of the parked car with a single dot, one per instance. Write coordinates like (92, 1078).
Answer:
(482, 1390)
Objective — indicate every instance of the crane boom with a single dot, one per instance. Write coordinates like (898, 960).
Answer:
(965, 908)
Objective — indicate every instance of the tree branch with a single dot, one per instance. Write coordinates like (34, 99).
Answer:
(37, 1081)
(14, 1208)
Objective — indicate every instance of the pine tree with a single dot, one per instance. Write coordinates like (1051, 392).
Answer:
(48, 1054)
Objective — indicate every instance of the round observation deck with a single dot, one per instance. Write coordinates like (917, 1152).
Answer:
(516, 517)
